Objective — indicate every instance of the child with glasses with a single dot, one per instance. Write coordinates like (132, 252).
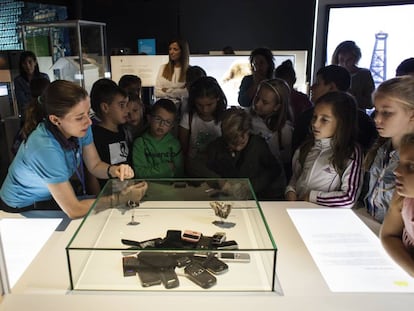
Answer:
(157, 153)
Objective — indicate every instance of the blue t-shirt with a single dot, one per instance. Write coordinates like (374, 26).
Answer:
(39, 162)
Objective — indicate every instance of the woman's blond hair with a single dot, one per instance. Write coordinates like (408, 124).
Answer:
(399, 90)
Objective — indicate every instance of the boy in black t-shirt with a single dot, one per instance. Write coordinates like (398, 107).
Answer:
(109, 102)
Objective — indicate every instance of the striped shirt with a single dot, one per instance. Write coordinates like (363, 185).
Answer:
(319, 178)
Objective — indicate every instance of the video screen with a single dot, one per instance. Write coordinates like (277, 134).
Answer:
(3, 90)
(230, 70)
(363, 23)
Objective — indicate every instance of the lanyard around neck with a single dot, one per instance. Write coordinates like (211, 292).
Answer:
(79, 169)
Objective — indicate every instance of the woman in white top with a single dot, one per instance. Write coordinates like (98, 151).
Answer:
(170, 81)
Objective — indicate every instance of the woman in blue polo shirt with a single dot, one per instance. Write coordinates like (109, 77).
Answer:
(57, 144)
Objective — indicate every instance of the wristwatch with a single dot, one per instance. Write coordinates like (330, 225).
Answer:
(108, 173)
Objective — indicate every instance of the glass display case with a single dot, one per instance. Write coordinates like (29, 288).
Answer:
(73, 50)
(183, 235)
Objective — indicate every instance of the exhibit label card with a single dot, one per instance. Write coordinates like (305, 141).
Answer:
(348, 254)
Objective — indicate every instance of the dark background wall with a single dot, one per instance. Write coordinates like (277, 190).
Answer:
(207, 25)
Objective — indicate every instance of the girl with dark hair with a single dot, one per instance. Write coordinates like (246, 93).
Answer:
(327, 169)
(28, 70)
(201, 124)
(262, 66)
(55, 149)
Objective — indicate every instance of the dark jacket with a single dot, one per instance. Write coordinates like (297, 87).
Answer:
(255, 162)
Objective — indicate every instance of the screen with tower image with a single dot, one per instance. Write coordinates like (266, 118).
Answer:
(382, 31)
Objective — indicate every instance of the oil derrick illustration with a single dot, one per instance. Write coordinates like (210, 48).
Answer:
(378, 65)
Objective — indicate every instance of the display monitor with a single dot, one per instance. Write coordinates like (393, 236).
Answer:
(382, 30)
(229, 70)
(4, 89)
(146, 46)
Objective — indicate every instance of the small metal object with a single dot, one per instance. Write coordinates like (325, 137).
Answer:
(132, 205)
(222, 210)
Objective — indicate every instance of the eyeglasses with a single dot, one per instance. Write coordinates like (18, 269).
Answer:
(162, 122)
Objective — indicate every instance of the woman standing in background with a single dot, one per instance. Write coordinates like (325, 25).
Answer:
(262, 65)
(28, 69)
(347, 54)
(170, 82)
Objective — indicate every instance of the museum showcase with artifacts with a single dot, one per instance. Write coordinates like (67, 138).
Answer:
(185, 235)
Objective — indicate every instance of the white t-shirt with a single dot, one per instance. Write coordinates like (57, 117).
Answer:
(202, 133)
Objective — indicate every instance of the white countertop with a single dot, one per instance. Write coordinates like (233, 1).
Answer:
(45, 284)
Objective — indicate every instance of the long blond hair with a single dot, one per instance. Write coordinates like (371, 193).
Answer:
(399, 90)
